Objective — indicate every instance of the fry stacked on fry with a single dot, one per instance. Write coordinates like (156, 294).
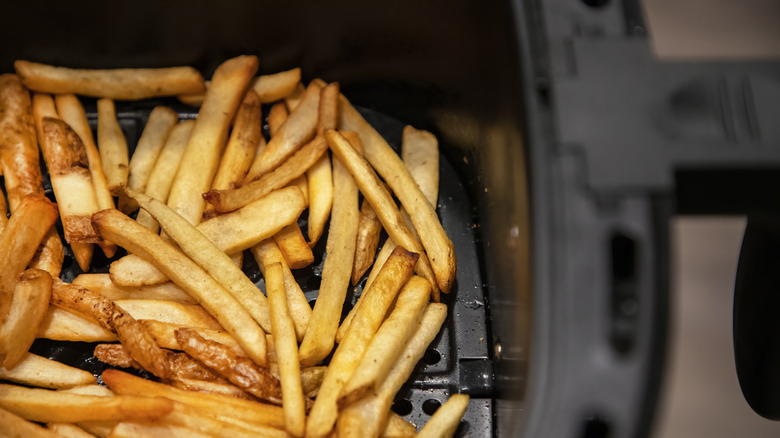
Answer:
(229, 360)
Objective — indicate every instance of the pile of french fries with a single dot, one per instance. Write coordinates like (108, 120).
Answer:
(195, 195)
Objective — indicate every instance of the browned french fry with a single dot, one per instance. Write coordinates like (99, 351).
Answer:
(269, 88)
(378, 299)
(276, 117)
(180, 365)
(294, 247)
(311, 380)
(241, 148)
(137, 239)
(25, 231)
(446, 419)
(328, 108)
(369, 229)
(368, 417)
(29, 305)
(320, 179)
(67, 430)
(15, 426)
(201, 158)
(286, 348)
(165, 336)
(20, 166)
(3, 212)
(102, 284)
(388, 164)
(46, 406)
(112, 145)
(123, 84)
(62, 325)
(161, 177)
(34, 370)
(297, 129)
(295, 166)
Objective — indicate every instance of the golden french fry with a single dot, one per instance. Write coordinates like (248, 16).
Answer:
(44, 405)
(67, 430)
(212, 387)
(379, 297)
(303, 184)
(298, 128)
(62, 325)
(15, 426)
(28, 307)
(90, 389)
(295, 96)
(336, 269)
(276, 117)
(266, 253)
(205, 422)
(269, 88)
(102, 284)
(3, 212)
(368, 416)
(286, 347)
(295, 166)
(328, 108)
(165, 336)
(137, 239)
(388, 164)
(320, 178)
(203, 252)
(130, 429)
(133, 271)
(446, 419)
(20, 165)
(397, 427)
(201, 158)
(294, 247)
(169, 312)
(24, 232)
(34, 370)
(369, 230)
(122, 84)
(161, 177)
(101, 429)
(112, 145)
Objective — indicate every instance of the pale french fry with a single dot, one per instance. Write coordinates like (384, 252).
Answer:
(397, 427)
(249, 411)
(112, 145)
(328, 117)
(266, 253)
(34, 370)
(122, 84)
(368, 416)
(102, 284)
(128, 429)
(212, 387)
(161, 177)
(62, 325)
(303, 184)
(294, 98)
(388, 164)
(241, 148)
(165, 336)
(276, 117)
(24, 232)
(286, 347)
(388, 342)
(133, 271)
(380, 199)
(20, 165)
(170, 312)
(336, 270)
(137, 239)
(446, 419)
(203, 251)
(195, 419)
(69, 430)
(91, 389)
(298, 128)
(15, 426)
(29, 305)
(201, 158)
(47, 406)
(369, 230)
(154, 136)
(320, 179)
(294, 247)
(295, 166)
(269, 88)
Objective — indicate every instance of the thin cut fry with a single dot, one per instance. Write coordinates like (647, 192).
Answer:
(133, 429)
(446, 419)
(212, 387)
(67, 430)
(369, 230)
(329, 108)
(34, 370)
(269, 88)
(294, 98)
(303, 185)
(165, 336)
(169, 312)
(15, 426)
(180, 365)
(397, 427)
(62, 325)
(29, 305)
(102, 284)
(123, 84)
(320, 178)
(294, 247)
(112, 145)
(276, 117)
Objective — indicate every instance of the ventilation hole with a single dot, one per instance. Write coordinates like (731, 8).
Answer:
(432, 357)
(596, 3)
(595, 427)
(430, 406)
(313, 282)
(402, 407)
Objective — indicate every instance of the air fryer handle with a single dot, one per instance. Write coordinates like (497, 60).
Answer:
(757, 316)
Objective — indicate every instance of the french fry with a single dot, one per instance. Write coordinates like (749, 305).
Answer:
(368, 416)
(446, 419)
(102, 284)
(209, 136)
(397, 427)
(195, 419)
(201, 250)
(212, 387)
(24, 232)
(133, 271)
(294, 98)
(328, 117)
(20, 165)
(395, 273)
(276, 117)
(3, 212)
(267, 253)
(29, 305)
(180, 365)
(320, 179)
(294, 247)
(112, 145)
(67, 430)
(311, 380)
(380, 199)
(62, 325)
(303, 184)
(295, 166)
(286, 347)
(269, 88)
(130, 429)
(15, 426)
(336, 270)
(161, 177)
(169, 312)
(388, 164)
(34, 370)
(298, 128)
(369, 229)
(90, 389)
(388, 342)
(137, 239)
(241, 148)
(47, 406)
(153, 138)
(164, 333)
(122, 84)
